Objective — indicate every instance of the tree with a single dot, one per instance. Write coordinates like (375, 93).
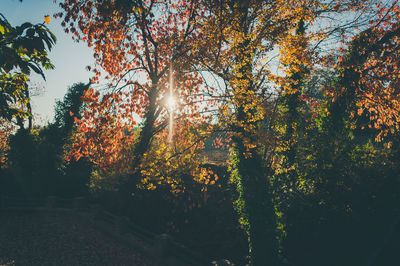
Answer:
(142, 46)
(376, 86)
(338, 165)
(37, 157)
(345, 176)
(22, 49)
(244, 35)
(248, 30)
(73, 177)
(70, 108)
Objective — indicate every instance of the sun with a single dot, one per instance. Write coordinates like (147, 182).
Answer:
(171, 102)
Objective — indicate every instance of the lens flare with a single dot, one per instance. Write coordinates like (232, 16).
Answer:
(171, 102)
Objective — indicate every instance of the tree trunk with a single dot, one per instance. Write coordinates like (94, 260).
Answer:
(255, 197)
(146, 134)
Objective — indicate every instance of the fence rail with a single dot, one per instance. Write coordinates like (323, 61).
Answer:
(163, 246)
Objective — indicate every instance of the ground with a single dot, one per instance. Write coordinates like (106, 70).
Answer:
(59, 239)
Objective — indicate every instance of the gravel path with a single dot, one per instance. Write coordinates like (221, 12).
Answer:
(59, 239)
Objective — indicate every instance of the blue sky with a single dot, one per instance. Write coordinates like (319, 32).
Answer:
(70, 58)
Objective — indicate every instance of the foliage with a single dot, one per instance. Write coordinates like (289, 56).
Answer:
(71, 107)
(149, 57)
(266, 126)
(101, 135)
(6, 129)
(169, 164)
(338, 172)
(337, 194)
(145, 48)
(309, 175)
(377, 87)
(37, 165)
(22, 49)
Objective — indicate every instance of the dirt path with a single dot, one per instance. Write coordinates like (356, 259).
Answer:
(59, 239)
